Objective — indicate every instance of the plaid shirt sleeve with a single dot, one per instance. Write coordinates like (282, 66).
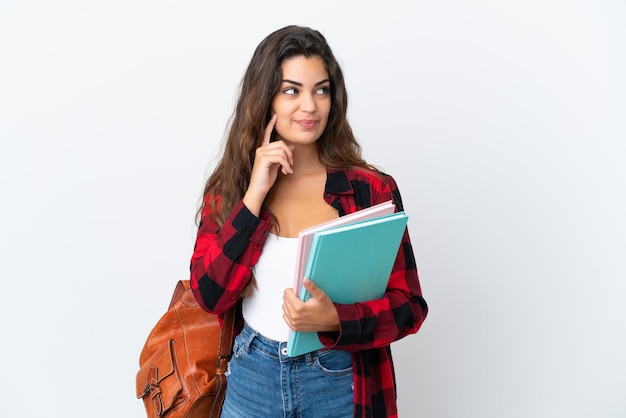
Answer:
(402, 309)
(367, 329)
(222, 257)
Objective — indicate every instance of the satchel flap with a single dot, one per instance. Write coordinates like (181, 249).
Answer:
(158, 379)
(189, 300)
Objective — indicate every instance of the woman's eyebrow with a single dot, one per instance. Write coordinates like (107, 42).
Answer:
(300, 84)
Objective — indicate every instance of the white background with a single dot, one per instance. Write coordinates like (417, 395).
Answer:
(504, 123)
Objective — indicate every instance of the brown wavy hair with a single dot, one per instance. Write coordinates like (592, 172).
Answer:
(337, 146)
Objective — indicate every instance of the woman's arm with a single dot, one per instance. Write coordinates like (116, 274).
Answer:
(222, 258)
(402, 309)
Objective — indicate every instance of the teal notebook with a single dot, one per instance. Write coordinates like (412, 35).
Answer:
(351, 263)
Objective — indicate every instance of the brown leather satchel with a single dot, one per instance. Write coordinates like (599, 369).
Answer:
(183, 363)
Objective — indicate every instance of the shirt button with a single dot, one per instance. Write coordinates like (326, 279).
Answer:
(283, 351)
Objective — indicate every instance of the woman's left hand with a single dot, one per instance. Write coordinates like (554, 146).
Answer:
(317, 314)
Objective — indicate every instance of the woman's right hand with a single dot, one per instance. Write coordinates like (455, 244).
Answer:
(270, 157)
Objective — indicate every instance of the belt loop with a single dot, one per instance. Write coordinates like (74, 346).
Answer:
(249, 334)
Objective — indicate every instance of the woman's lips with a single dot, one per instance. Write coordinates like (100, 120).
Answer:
(307, 123)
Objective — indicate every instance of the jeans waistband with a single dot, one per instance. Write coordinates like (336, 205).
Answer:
(272, 347)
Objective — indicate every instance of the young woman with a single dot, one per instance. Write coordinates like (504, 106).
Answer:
(291, 162)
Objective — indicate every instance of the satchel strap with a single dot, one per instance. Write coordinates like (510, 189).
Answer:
(226, 340)
(226, 351)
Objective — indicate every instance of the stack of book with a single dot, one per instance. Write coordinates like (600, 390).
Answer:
(349, 258)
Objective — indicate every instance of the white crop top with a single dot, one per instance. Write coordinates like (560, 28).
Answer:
(274, 272)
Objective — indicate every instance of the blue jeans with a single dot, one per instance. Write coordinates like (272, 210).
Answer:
(263, 382)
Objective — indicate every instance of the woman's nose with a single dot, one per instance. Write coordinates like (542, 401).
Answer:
(307, 103)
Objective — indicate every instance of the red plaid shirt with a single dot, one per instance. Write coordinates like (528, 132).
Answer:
(220, 269)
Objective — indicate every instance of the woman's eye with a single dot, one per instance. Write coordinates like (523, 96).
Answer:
(323, 90)
(290, 91)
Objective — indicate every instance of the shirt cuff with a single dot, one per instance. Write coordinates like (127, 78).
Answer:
(247, 224)
(349, 328)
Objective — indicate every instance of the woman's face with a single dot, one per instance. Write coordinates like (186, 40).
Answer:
(302, 103)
